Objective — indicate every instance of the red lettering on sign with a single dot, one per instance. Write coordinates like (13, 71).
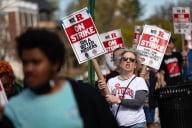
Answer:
(79, 17)
(113, 35)
(109, 44)
(153, 42)
(160, 33)
(81, 30)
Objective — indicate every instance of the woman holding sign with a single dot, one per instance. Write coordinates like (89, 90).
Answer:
(128, 92)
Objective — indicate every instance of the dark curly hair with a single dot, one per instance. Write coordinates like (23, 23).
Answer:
(48, 42)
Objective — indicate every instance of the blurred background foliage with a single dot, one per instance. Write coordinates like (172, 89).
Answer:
(125, 14)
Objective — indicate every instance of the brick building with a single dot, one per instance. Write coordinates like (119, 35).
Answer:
(16, 17)
(19, 15)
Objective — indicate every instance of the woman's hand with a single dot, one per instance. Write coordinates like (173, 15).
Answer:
(113, 99)
(102, 84)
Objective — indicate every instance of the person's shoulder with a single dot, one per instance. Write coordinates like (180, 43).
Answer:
(177, 54)
(85, 91)
(77, 83)
(112, 74)
(139, 79)
(114, 78)
(17, 99)
(82, 87)
(18, 87)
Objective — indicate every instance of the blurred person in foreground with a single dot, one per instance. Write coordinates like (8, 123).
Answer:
(128, 92)
(7, 77)
(50, 101)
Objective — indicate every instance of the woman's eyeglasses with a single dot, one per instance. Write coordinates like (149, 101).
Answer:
(130, 59)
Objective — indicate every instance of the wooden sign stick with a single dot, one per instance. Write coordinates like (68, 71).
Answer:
(100, 75)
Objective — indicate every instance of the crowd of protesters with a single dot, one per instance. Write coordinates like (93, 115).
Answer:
(131, 103)
(174, 70)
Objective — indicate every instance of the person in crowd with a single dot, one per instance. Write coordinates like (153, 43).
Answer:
(50, 101)
(187, 62)
(151, 100)
(7, 77)
(115, 58)
(116, 55)
(127, 92)
(172, 45)
(170, 69)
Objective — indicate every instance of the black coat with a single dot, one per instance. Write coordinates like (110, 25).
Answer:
(93, 107)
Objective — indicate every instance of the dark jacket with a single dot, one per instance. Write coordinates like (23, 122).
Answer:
(93, 107)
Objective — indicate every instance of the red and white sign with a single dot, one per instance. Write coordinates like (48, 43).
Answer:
(3, 97)
(181, 20)
(152, 45)
(137, 33)
(83, 36)
(111, 40)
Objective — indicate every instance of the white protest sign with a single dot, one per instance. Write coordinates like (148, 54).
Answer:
(82, 35)
(111, 40)
(137, 33)
(152, 45)
(3, 97)
(181, 20)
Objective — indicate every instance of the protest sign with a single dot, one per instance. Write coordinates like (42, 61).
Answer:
(84, 39)
(3, 97)
(111, 40)
(82, 35)
(181, 20)
(152, 45)
(137, 33)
